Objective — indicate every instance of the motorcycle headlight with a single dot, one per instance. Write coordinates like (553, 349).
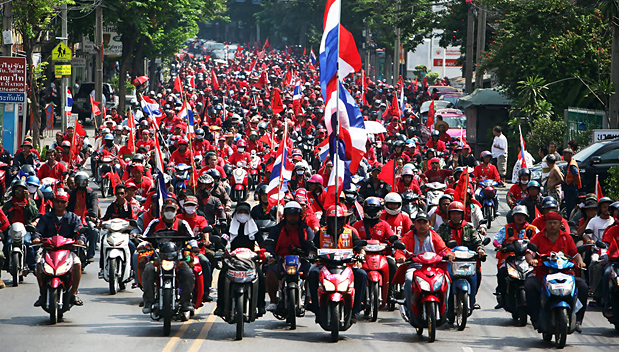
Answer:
(64, 268)
(343, 286)
(423, 284)
(167, 265)
(291, 270)
(329, 286)
(512, 272)
(439, 282)
(560, 289)
(48, 269)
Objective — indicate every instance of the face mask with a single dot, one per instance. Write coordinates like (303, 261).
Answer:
(199, 137)
(190, 209)
(241, 150)
(32, 189)
(524, 182)
(242, 218)
(300, 172)
(169, 215)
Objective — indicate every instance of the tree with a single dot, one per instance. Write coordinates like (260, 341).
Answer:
(32, 18)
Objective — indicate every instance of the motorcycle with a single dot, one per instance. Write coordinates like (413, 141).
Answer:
(517, 271)
(107, 171)
(433, 192)
(181, 175)
(264, 226)
(18, 265)
(430, 291)
(377, 268)
(463, 275)
(254, 170)
(486, 195)
(117, 257)
(57, 274)
(336, 290)
(613, 286)
(239, 184)
(411, 204)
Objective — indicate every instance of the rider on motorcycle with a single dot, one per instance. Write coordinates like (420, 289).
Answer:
(533, 200)
(83, 201)
(516, 230)
(119, 209)
(485, 170)
(182, 155)
(553, 239)
(434, 174)
(241, 156)
(549, 204)
(261, 210)
(400, 222)
(64, 223)
(52, 168)
(518, 191)
(298, 178)
(435, 142)
(316, 195)
(209, 205)
(398, 151)
(438, 215)
(168, 222)
(373, 186)
(407, 182)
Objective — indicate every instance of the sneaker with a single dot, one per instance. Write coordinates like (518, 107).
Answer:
(476, 306)
(207, 299)
(2, 284)
(272, 307)
(261, 311)
(90, 260)
(578, 329)
(100, 274)
(39, 302)
(498, 306)
(147, 309)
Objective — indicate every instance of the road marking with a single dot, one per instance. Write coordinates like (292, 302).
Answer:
(467, 349)
(197, 343)
(174, 339)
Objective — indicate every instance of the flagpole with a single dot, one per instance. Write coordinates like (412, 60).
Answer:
(282, 167)
(193, 164)
(337, 117)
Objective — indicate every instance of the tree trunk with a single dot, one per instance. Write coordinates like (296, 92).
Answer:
(128, 44)
(34, 95)
(138, 59)
(613, 110)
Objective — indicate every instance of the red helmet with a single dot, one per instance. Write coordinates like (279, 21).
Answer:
(183, 141)
(241, 143)
(455, 206)
(333, 212)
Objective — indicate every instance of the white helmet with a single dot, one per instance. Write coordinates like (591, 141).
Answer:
(393, 198)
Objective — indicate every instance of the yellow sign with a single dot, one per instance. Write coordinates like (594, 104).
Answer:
(62, 70)
(61, 53)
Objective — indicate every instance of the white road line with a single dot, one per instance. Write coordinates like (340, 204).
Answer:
(467, 349)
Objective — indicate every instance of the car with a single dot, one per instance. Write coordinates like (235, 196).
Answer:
(594, 160)
(451, 97)
(81, 101)
(456, 120)
(438, 105)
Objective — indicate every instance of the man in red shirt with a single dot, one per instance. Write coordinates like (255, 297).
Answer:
(519, 190)
(435, 174)
(485, 170)
(408, 183)
(143, 183)
(182, 155)
(146, 141)
(240, 157)
(199, 144)
(553, 239)
(400, 222)
(435, 142)
(52, 168)
(211, 163)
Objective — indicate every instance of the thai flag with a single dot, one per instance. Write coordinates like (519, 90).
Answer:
(402, 103)
(312, 58)
(323, 149)
(523, 163)
(162, 191)
(297, 96)
(281, 173)
(151, 107)
(190, 124)
(68, 106)
(342, 172)
(184, 111)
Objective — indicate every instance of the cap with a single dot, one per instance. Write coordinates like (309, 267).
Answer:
(170, 203)
(422, 216)
(130, 185)
(66, 144)
(27, 143)
(191, 200)
(61, 194)
(138, 167)
(553, 215)
(240, 206)
(300, 196)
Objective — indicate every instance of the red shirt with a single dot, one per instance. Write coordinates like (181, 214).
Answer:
(482, 172)
(200, 147)
(148, 145)
(381, 231)
(311, 220)
(409, 240)
(195, 221)
(611, 236)
(144, 186)
(181, 158)
(564, 243)
(55, 171)
(437, 175)
(242, 157)
(400, 224)
(440, 145)
(218, 168)
(414, 187)
(517, 193)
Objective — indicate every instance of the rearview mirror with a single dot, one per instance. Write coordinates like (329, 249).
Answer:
(399, 245)
(532, 247)
(452, 244)
(483, 221)
(31, 228)
(486, 241)
(595, 160)
(601, 245)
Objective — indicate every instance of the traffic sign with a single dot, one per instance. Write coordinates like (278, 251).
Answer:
(62, 53)
(62, 70)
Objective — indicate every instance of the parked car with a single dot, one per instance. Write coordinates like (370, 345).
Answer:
(594, 160)
(451, 97)
(438, 105)
(455, 119)
(81, 102)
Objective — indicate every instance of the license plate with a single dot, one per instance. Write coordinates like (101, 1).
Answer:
(240, 274)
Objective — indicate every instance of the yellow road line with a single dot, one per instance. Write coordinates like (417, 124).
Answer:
(174, 339)
(197, 343)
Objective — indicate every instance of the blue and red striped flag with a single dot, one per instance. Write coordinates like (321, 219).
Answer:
(521, 155)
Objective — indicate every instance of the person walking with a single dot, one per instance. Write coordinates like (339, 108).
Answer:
(499, 153)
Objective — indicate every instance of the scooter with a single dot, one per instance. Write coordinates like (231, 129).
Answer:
(117, 257)
(434, 191)
(486, 195)
(613, 286)
(517, 271)
(108, 174)
(254, 170)
(182, 173)
(377, 268)
(239, 184)
(430, 291)
(291, 294)
(336, 291)
(18, 265)
(57, 276)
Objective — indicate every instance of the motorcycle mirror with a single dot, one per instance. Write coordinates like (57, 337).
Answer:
(399, 245)
(532, 247)
(133, 223)
(452, 244)
(571, 223)
(483, 221)
(583, 248)
(268, 242)
(589, 231)
(207, 229)
(601, 244)
(215, 239)
(486, 241)
(393, 239)
(31, 228)
(310, 245)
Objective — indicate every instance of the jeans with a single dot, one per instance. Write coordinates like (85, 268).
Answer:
(605, 286)
(570, 195)
(473, 285)
(207, 274)
(408, 284)
(533, 291)
(185, 278)
(360, 280)
(92, 236)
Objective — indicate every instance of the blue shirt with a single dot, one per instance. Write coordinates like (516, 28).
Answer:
(68, 226)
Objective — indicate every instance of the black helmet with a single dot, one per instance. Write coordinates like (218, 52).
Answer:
(523, 172)
(214, 174)
(409, 121)
(613, 207)
(20, 183)
(604, 200)
(168, 251)
(372, 208)
(81, 180)
(261, 190)
(28, 169)
(550, 202)
(399, 144)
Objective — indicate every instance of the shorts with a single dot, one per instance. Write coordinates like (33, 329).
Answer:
(501, 164)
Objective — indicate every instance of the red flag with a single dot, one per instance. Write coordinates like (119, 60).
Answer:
(415, 86)
(131, 125)
(304, 51)
(425, 82)
(178, 86)
(387, 174)
(430, 120)
(395, 106)
(94, 106)
(192, 81)
(266, 140)
(263, 80)
(537, 213)
(276, 103)
(266, 44)
(115, 180)
(214, 82)
(462, 186)
(598, 188)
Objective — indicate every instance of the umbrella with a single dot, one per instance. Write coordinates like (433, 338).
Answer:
(140, 80)
(374, 127)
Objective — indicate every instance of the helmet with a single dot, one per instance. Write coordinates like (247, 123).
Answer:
(315, 179)
(399, 144)
(523, 172)
(168, 251)
(28, 170)
(20, 183)
(484, 154)
(292, 208)
(261, 190)
(333, 212)
(393, 197)
(33, 181)
(533, 184)
(199, 132)
(299, 168)
(549, 202)
(604, 200)
(407, 172)
(241, 143)
(214, 174)
(446, 196)
(458, 170)
(455, 206)
(436, 133)
(108, 137)
(206, 179)
(81, 180)
(372, 208)
(520, 209)
(105, 131)
(614, 207)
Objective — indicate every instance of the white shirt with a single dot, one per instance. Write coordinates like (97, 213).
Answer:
(598, 225)
(500, 141)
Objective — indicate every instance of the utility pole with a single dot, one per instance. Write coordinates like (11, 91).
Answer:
(63, 80)
(396, 49)
(257, 29)
(613, 109)
(481, 45)
(470, 40)
(99, 62)
(7, 25)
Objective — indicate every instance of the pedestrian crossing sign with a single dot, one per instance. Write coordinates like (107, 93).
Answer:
(62, 53)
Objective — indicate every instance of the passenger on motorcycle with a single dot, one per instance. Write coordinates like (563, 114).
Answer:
(26, 156)
(553, 239)
(315, 195)
(342, 237)
(485, 170)
(434, 174)
(84, 202)
(130, 197)
(168, 222)
(407, 182)
(435, 142)
(143, 183)
(64, 223)
(52, 168)
(466, 158)
(518, 191)
(534, 200)
(219, 190)
(549, 204)
(298, 178)
(146, 141)
(209, 205)
(459, 230)
(241, 156)
(374, 187)
(290, 233)
(398, 151)
(438, 215)
(400, 222)
(307, 215)
(516, 230)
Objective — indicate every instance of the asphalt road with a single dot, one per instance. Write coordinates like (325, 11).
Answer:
(115, 323)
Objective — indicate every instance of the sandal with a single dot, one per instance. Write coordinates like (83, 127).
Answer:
(77, 301)
(476, 306)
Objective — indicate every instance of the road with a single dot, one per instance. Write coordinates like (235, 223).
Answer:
(115, 323)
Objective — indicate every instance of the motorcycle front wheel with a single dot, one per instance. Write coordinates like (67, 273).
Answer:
(461, 310)
(112, 266)
(562, 322)
(431, 316)
(15, 267)
(166, 311)
(239, 317)
(335, 321)
(53, 305)
(374, 299)
(291, 308)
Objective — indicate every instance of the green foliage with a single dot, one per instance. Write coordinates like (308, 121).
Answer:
(432, 77)
(611, 188)
(114, 81)
(542, 131)
(419, 71)
(39, 74)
